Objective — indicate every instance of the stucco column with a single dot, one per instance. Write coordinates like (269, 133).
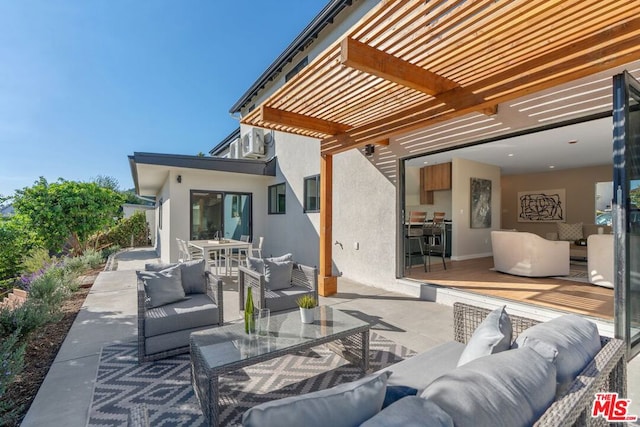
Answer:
(327, 283)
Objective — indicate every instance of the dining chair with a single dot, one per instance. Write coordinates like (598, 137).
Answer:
(256, 252)
(435, 237)
(414, 233)
(243, 253)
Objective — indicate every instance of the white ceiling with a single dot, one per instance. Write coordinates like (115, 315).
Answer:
(539, 151)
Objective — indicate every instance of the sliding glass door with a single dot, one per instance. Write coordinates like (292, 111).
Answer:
(217, 213)
(626, 209)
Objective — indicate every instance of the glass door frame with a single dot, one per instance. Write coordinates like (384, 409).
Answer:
(223, 196)
(625, 87)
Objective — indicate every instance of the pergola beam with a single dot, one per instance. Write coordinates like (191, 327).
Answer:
(275, 116)
(362, 57)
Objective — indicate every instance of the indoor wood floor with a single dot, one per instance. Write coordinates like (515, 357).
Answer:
(476, 276)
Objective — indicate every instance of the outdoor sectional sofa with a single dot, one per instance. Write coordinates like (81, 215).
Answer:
(546, 376)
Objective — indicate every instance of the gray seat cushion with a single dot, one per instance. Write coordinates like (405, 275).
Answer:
(196, 311)
(411, 411)
(420, 370)
(345, 405)
(511, 389)
(285, 299)
(170, 341)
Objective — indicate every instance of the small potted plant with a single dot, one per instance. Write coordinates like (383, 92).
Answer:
(307, 304)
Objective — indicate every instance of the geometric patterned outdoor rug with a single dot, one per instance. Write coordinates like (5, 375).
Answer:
(165, 388)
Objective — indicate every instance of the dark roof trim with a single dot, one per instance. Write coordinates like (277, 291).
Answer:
(251, 167)
(300, 43)
(222, 145)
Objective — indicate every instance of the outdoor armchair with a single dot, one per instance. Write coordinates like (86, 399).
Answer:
(173, 301)
(281, 295)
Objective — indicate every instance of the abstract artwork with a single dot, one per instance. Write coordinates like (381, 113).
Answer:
(541, 206)
(480, 203)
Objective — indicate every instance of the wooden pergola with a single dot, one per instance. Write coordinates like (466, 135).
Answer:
(408, 64)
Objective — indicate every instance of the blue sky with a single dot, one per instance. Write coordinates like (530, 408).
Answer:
(83, 84)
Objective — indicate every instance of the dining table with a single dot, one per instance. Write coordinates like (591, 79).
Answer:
(221, 245)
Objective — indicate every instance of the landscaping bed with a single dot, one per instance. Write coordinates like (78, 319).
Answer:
(42, 348)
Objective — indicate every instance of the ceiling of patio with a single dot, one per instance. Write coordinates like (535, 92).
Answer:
(408, 65)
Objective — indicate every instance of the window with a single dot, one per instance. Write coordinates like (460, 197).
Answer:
(160, 213)
(312, 193)
(277, 199)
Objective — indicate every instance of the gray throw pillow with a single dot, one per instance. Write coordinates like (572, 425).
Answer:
(163, 287)
(277, 275)
(511, 389)
(345, 405)
(576, 340)
(159, 267)
(193, 280)
(411, 411)
(256, 264)
(492, 335)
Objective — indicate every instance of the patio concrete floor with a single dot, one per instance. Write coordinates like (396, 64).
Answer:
(109, 315)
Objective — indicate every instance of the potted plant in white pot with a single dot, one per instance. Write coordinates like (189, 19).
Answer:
(307, 305)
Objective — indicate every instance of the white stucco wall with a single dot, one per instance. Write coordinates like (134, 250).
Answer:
(296, 231)
(364, 213)
(193, 179)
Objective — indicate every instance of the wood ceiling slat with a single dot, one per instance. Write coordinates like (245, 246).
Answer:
(495, 49)
(498, 59)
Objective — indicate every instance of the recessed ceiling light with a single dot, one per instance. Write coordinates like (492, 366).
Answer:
(426, 163)
(510, 154)
(551, 167)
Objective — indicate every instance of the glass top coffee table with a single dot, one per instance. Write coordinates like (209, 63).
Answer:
(227, 348)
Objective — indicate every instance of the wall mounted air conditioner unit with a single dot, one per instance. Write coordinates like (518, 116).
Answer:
(253, 144)
(234, 149)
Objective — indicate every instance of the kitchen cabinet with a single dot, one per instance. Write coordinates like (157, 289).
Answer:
(434, 178)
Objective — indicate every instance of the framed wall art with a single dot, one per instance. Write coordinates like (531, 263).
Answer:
(542, 206)
(480, 203)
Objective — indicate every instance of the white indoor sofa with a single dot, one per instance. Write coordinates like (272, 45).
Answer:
(527, 254)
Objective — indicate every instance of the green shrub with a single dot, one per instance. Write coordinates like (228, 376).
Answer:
(11, 364)
(17, 239)
(107, 252)
(74, 266)
(92, 259)
(51, 289)
(121, 234)
(38, 259)
(23, 319)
